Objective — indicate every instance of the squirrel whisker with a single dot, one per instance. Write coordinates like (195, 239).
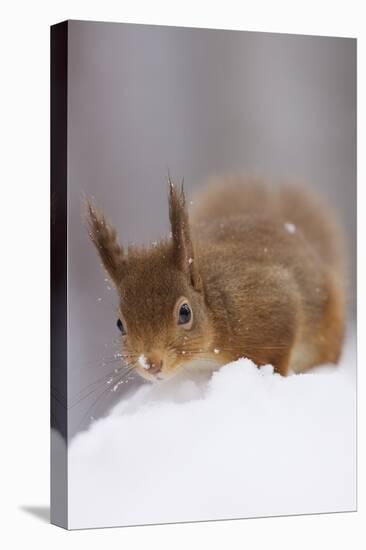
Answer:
(107, 376)
(107, 390)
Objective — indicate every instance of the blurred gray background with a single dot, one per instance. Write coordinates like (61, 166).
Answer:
(145, 99)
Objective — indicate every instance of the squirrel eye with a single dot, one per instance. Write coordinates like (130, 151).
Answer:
(121, 327)
(184, 315)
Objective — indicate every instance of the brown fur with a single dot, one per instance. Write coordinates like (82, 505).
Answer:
(261, 268)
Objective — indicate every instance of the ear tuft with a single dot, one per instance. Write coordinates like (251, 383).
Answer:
(104, 237)
(183, 248)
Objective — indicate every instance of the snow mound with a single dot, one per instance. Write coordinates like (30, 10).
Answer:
(244, 443)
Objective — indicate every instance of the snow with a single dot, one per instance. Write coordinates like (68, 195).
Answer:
(142, 362)
(116, 386)
(290, 227)
(244, 443)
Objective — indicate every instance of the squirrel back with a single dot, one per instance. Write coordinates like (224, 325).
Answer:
(230, 197)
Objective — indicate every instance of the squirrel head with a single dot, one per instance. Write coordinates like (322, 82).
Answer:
(162, 316)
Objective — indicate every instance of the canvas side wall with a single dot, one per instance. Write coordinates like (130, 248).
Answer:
(59, 37)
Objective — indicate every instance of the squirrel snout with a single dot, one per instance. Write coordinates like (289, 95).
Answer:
(154, 366)
(152, 363)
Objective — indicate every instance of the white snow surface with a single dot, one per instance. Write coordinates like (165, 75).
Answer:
(244, 443)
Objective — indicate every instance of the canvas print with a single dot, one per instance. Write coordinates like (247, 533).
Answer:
(203, 274)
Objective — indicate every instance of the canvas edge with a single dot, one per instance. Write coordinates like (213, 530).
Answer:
(58, 314)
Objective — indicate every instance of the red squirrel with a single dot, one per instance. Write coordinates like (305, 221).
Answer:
(253, 271)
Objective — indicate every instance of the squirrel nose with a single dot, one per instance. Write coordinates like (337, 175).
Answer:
(155, 365)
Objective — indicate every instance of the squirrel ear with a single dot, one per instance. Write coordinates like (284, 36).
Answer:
(104, 238)
(183, 249)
